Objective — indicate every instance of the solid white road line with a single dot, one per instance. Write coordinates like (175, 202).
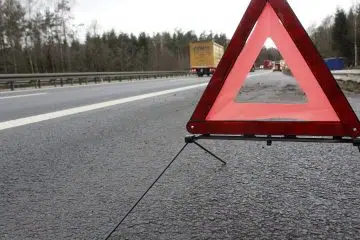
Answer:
(87, 108)
(21, 96)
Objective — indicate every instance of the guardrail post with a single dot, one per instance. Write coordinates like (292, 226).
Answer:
(39, 83)
(109, 79)
(80, 81)
(12, 85)
(61, 82)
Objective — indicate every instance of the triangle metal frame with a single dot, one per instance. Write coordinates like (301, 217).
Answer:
(348, 126)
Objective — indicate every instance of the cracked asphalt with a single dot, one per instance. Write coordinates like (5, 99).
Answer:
(75, 177)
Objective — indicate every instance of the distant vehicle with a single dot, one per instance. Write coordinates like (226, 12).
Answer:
(283, 65)
(205, 57)
(335, 63)
(261, 66)
(268, 64)
(277, 67)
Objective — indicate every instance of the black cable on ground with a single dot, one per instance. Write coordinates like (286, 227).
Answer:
(141, 198)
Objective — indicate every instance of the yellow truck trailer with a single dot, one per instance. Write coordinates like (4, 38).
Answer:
(205, 56)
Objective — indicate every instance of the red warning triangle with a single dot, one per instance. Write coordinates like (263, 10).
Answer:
(327, 113)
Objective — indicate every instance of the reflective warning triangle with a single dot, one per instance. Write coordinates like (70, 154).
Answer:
(327, 113)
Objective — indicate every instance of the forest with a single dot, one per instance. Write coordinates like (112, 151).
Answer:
(336, 35)
(45, 39)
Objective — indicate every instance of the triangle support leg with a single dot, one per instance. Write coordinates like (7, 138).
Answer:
(357, 143)
(193, 139)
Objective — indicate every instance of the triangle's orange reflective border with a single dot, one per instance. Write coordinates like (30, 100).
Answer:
(328, 115)
(225, 108)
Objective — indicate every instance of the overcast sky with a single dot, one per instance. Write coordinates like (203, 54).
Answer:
(134, 16)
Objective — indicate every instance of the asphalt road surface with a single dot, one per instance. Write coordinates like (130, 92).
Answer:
(74, 175)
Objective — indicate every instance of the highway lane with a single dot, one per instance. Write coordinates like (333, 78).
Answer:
(75, 177)
(14, 105)
(64, 98)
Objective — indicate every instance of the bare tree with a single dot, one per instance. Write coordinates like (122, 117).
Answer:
(3, 49)
(39, 36)
(13, 14)
(29, 40)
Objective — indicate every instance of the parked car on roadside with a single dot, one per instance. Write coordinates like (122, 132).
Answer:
(277, 67)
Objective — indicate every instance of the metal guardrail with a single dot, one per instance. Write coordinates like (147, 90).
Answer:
(352, 75)
(346, 72)
(12, 81)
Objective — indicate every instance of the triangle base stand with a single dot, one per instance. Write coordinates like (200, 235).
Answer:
(269, 140)
(193, 139)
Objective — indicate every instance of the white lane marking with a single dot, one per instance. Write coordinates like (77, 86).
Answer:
(87, 108)
(21, 96)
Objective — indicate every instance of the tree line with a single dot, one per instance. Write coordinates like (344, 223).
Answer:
(36, 40)
(39, 38)
(335, 36)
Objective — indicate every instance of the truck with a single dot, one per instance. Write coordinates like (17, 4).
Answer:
(205, 57)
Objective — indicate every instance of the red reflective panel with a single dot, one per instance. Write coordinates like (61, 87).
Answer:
(327, 112)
